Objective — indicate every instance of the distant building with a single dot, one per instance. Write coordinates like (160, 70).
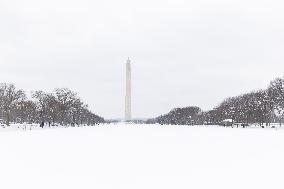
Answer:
(227, 122)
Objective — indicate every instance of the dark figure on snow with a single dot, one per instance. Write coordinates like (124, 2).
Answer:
(41, 124)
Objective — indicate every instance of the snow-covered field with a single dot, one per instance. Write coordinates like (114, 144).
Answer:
(142, 157)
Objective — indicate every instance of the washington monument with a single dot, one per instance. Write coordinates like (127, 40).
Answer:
(128, 91)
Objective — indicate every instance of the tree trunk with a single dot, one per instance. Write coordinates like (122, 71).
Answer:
(8, 118)
(53, 120)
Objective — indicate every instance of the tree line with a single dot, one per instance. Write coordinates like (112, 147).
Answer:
(62, 107)
(261, 107)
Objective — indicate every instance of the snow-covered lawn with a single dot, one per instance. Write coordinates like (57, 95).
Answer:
(142, 157)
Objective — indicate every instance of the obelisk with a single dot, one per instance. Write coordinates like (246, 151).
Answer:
(128, 91)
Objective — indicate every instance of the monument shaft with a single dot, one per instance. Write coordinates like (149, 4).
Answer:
(128, 91)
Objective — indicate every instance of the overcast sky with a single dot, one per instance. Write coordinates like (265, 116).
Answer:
(183, 52)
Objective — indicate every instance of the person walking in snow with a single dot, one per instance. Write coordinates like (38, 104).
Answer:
(41, 124)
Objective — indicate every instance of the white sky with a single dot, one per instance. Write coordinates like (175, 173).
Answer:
(183, 52)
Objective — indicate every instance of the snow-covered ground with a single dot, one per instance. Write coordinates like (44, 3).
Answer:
(142, 157)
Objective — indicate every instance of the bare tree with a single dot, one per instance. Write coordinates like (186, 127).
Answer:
(67, 100)
(276, 93)
(41, 100)
(9, 97)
